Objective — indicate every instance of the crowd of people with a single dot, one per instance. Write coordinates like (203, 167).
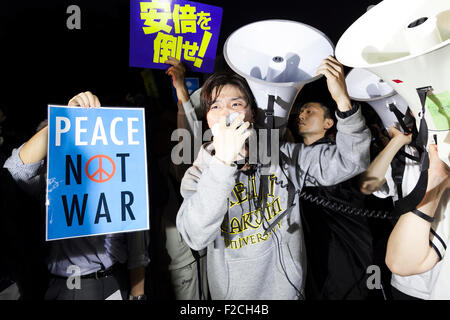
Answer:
(223, 227)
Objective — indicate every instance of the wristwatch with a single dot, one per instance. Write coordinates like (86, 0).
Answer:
(141, 297)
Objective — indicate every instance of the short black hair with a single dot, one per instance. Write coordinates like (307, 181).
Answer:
(326, 111)
(292, 121)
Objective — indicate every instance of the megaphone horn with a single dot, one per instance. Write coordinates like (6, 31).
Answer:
(365, 86)
(407, 44)
(277, 58)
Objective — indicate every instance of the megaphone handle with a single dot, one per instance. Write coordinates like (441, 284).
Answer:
(422, 135)
(422, 92)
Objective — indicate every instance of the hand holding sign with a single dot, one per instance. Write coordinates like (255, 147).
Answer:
(177, 71)
(85, 100)
(35, 149)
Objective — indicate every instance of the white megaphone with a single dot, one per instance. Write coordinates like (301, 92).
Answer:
(363, 85)
(277, 58)
(407, 44)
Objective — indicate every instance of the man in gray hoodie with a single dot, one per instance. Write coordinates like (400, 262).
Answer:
(248, 220)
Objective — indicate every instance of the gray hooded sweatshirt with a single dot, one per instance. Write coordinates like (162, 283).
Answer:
(250, 254)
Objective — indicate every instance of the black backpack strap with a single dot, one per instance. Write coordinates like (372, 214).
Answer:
(403, 154)
(398, 170)
(291, 194)
(393, 108)
(269, 115)
(197, 257)
(411, 201)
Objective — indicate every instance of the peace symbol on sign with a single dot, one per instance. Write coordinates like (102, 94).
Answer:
(100, 175)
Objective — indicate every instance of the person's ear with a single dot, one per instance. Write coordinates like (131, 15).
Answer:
(328, 123)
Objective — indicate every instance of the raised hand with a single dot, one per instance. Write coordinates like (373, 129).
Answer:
(334, 72)
(403, 138)
(86, 100)
(177, 72)
(229, 140)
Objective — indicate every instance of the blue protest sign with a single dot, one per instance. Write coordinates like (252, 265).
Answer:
(185, 30)
(192, 84)
(96, 172)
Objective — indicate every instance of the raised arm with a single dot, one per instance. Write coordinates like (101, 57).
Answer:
(331, 164)
(26, 163)
(408, 249)
(176, 72)
(35, 149)
(186, 114)
(333, 70)
(374, 177)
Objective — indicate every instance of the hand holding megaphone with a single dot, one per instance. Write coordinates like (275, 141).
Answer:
(334, 72)
(229, 140)
(403, 138)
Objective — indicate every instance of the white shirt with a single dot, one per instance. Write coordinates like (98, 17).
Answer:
(427, 285)
(441, 290)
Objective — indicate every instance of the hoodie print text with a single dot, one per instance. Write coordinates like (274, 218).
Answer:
(248, 226)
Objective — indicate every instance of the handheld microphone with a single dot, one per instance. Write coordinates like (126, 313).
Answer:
(230, 118)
